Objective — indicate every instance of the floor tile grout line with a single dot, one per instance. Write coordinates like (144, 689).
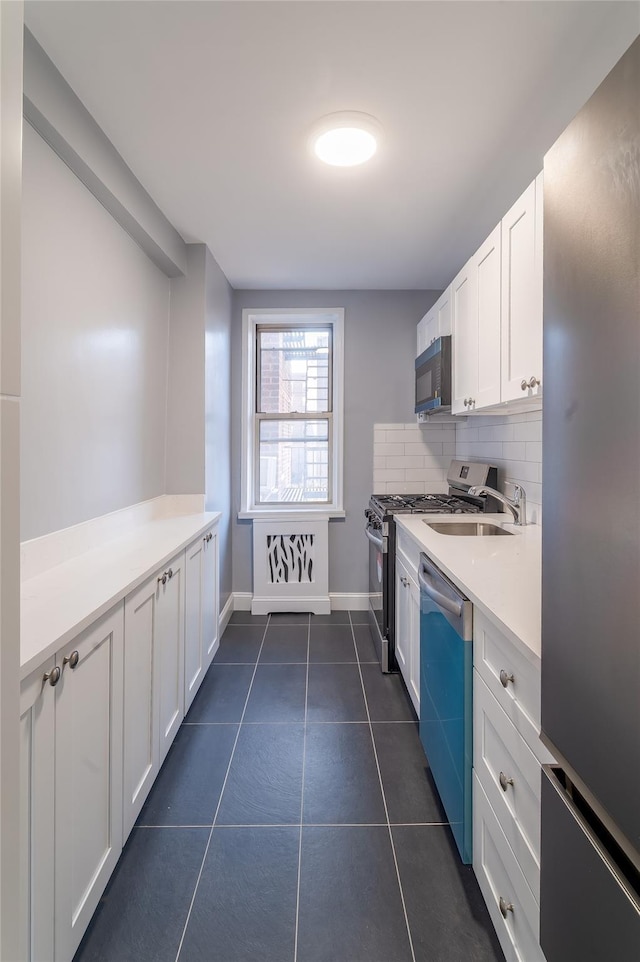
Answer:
(304, 825)
(384, 802)
(304, 759)
(213, 825)
(377, 722)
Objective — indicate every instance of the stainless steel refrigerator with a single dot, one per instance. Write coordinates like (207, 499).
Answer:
(590, 853)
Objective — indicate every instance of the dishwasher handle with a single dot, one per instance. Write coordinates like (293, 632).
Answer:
(454, 607)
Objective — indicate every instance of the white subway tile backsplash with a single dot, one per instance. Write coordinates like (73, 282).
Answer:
(414, 458)
(533, 451)
(388, 450)
(514, 451)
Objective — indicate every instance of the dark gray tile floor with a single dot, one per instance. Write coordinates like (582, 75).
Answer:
(294, 819)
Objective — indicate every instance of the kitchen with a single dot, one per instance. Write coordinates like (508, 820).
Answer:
(130, 429)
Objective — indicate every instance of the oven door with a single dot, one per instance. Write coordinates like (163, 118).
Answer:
(378, 589)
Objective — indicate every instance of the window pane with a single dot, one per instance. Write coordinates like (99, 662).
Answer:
(293, 373)
(294, 461)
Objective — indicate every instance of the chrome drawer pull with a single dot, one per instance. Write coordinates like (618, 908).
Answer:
(505, 678)
(53, 676)
(505, 907)
(71, 660)
(504, 781)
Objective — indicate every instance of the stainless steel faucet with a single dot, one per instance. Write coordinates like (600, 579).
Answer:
(517, 507)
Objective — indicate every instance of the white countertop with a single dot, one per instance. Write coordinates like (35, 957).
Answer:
(59, 603)
(501, 575)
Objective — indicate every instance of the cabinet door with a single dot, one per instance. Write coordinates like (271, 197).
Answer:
(443, 313)
(425, 326)
(402, 620)
(194, 666)
(169, 674)
(414, 633)
(37, 788)
(487, 268)
(210, 597)
(464, 317)
(141, 724)
(88, 777)
(522, 295)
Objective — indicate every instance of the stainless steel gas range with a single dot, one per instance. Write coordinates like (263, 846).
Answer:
(381, 532)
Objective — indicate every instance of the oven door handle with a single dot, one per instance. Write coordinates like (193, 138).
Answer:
(455, 608)
(375, 537)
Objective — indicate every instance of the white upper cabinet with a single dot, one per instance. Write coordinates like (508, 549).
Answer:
(476, 330)
(464, 354)
(486, 267)
(522, 296)
(436, 323)
(493, 309)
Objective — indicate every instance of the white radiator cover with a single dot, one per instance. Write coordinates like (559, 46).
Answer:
(291, 565)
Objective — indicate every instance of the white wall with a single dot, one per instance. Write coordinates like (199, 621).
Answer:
(94, 364)
(379, 346)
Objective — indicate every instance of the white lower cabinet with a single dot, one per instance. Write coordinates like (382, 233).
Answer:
(507, 758)
(37, 814)
(201, 606)
(408, 628)
(96, 723)
(88, 778)
(71, 788)
(153, 680)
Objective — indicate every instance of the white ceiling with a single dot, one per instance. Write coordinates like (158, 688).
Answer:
(209, 103)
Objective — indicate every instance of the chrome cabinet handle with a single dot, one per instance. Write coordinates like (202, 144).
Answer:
(71, 660)
(207, 538)
(505, 907)
(504, 781)
(53, 676)
(505, 678)
(532, 382)
(170, 573)
(162, 579)
(466, 401)
(523, 384)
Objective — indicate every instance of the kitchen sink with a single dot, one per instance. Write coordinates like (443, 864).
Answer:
(467, 528)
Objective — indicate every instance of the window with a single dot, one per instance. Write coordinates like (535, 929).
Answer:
(292, 444)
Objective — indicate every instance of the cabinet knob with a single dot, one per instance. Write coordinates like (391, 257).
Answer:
(170, 573)
(505, 906)
(505, 678)
(207, 538)
(523, 384)
(53, 676)
(162, 579)
(71, 660)
(532, 382)
(504, 781)
(466, 401)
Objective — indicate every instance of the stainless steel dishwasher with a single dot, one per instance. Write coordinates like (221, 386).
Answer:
(446, 685)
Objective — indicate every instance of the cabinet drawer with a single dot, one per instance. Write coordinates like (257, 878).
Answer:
(499, 876)
(409, 552)
(499, 753)
(518, 693)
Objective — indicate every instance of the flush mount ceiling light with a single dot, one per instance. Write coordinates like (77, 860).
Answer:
(345, 139)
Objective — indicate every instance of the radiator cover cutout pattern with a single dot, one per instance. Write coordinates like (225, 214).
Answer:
(290, 558)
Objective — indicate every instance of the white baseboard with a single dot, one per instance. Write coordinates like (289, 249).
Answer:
(354, 601)
(225, 615)
(318, 605)
(242, 600)
(339, 601)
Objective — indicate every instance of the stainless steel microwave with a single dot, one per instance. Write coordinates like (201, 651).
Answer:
(433, 377)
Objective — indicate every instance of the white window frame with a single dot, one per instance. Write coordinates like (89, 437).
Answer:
(311, 317)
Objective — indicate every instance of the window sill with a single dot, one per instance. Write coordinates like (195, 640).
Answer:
(291, 514)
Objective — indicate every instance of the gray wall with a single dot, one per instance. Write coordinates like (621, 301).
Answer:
(380, 347)
(185, 381)
(218, 308)
(95, 315)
